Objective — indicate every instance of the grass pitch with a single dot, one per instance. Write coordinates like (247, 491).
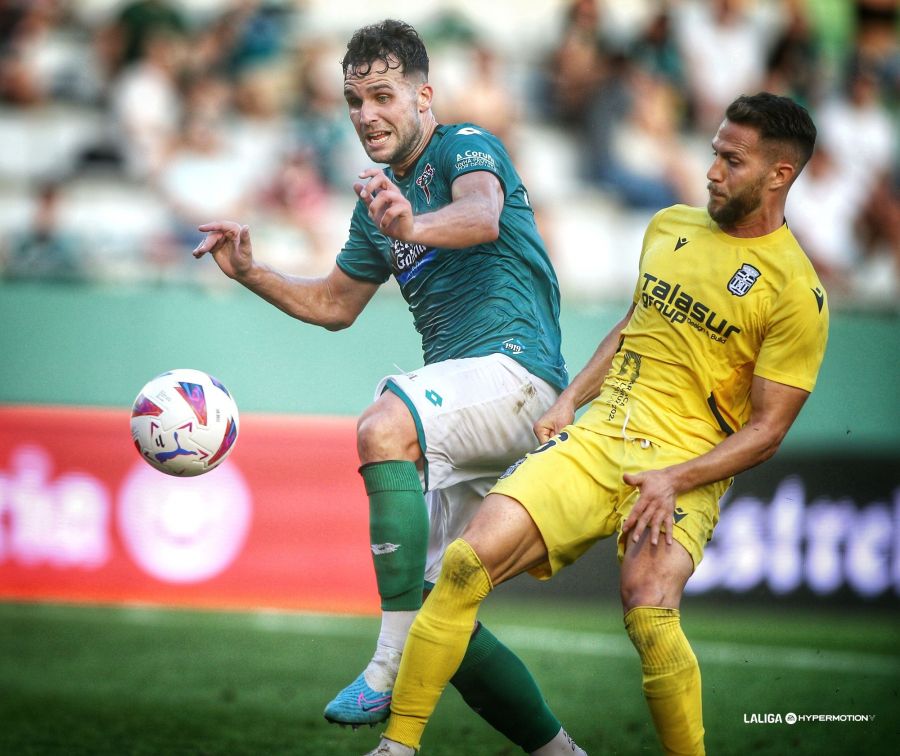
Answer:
(114, 681)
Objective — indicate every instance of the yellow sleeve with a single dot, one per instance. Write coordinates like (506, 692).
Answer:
(795, 339)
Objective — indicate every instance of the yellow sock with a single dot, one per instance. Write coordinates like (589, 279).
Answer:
(671, 678)
(437, 642)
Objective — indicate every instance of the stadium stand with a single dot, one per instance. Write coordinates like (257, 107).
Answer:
(129, 108)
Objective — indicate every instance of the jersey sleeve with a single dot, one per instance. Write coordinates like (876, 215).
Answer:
(468, 148)
(360, 257)
(794, 344)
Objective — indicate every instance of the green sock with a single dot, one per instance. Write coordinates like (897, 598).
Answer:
(495, 683)
(398, 532)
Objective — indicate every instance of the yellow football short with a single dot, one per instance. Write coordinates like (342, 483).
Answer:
(573, 489)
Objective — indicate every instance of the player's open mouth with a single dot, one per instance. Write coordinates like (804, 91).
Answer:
(377, 137)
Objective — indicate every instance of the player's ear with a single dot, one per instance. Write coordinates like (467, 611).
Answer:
(783, 174)
(426, 93)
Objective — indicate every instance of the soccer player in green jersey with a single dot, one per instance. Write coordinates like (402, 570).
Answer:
(699, 381)
(450, 220)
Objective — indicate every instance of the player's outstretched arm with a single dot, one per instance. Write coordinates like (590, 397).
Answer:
(333, 302)
(584, 387)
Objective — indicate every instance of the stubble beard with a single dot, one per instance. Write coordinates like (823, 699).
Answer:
(738, 206)
(403, 150)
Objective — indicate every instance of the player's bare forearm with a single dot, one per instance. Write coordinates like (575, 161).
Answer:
(467, 221)
(300, 298)
(472, 217)
(332, 302)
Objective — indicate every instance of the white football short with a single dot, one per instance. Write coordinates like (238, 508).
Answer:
(474, 418)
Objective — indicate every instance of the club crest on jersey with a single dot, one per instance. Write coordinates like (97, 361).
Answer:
(424, 180)
(743, 279)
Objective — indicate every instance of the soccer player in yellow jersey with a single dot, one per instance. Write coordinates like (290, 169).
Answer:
(699, 381)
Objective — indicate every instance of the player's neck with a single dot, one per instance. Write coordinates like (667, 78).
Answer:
(758, 223)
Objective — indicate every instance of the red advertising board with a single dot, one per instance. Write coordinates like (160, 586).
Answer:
(282, 523)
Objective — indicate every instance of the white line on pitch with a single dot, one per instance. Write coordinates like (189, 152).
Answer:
(614, 645)
(712, 652)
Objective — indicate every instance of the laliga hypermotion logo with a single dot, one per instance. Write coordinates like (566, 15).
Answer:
(184, 530)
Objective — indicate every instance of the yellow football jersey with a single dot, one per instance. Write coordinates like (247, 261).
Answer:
(712, 311)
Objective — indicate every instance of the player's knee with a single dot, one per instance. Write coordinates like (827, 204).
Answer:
(386, 431)
(462, 569)
(655, 581)
(638, 590)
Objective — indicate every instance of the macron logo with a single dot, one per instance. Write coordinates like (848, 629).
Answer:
(380, 549)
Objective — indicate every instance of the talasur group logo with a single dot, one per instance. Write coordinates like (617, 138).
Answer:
(184, 530)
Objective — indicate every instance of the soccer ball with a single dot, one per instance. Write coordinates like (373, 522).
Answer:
(184, 422)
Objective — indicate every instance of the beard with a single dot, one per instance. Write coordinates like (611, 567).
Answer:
(738, 206)
(405, 147)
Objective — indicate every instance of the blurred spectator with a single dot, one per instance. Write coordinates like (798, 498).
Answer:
(44, 251)
(124, 41)
(858, 129)
(793, 65)
(643, 162)
(209, 94)
(255, 32)
(244, 34)
(576, 68)
(656, 48)
(146, 104)
(486, 98)
(259, 127)
(877, 43)
(822, 211)
(724, 45)
(298, 198)
(204, 177)
(321, 125)
(44, 56)
(235, 106)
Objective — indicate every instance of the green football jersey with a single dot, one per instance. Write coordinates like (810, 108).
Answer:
(500, 296)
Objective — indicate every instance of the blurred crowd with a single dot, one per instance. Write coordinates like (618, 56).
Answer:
(125, 123)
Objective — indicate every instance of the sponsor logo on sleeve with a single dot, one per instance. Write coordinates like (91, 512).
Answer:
(475, 159)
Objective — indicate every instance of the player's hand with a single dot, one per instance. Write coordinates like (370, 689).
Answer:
(229, 244)
(388, 208)
(561, 414)
(655, 507)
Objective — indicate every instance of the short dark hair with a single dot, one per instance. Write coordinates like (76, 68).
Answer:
(776, 119)
(394, 43)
